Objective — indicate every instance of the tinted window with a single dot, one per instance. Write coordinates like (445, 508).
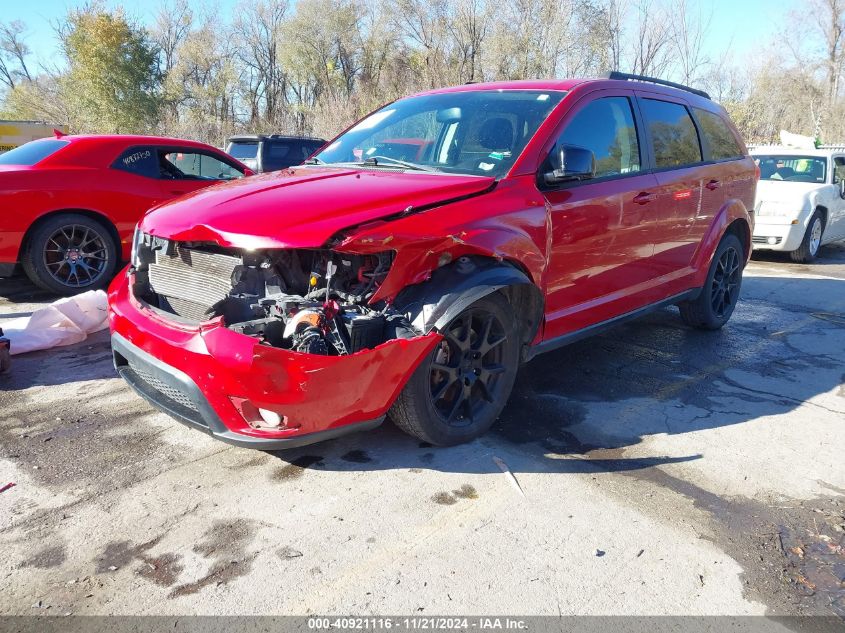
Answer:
(606, 128)
(243, 150)
(275, 150)
(32, 153)
(672, 134)
(719, 137)
(138, 160)
(195, 166)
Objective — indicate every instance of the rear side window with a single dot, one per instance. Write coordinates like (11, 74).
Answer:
(606, 128)
(276, 151)
(243, 150)
(672, 132)
(719, 138)
(32, 153)
(141, 161)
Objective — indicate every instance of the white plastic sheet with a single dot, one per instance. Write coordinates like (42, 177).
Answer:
(63, 322)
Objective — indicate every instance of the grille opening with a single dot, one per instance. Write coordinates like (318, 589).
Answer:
(313, 301)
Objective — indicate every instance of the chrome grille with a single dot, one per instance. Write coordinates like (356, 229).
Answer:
(191, 283)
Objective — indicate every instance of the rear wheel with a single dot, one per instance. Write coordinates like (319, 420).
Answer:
(457, 393)
(715, 304)
(809, 248)
(70, 253)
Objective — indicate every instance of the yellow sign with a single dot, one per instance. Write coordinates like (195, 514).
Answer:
(15, 133)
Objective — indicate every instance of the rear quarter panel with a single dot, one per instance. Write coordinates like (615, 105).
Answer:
(30, 194)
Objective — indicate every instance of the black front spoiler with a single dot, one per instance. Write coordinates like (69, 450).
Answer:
(153, 380)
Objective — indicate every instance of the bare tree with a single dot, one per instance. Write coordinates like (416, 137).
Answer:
(651, 42)
(13, 54)
(689, 32)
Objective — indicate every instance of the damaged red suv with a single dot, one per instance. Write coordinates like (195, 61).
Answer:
(414, 262)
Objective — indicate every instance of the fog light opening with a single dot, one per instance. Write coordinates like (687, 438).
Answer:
(272, 419)
(259, 418)
(772, 241)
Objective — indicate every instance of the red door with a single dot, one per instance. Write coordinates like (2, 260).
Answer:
(602, 229)
(681, 203)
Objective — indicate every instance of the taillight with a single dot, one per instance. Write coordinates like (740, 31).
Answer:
(756, 171)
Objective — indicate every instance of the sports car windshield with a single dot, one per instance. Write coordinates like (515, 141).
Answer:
(478, 132)
(792, 168)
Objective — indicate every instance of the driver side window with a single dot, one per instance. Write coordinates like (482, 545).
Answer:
(606, 127)
(838, 169)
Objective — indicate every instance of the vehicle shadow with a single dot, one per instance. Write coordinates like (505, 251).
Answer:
(832, 254)
(580, 408)
(19, 289)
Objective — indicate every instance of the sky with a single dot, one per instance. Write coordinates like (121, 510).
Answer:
(741, 26)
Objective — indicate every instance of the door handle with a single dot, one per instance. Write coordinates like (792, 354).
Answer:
(643, 197)
(713, 185)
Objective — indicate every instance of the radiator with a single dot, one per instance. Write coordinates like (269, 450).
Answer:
(192, 283)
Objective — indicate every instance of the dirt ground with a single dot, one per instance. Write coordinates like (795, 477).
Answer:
(650, 470)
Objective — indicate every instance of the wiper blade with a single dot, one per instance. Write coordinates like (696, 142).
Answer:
(375, 161)
(314, 161)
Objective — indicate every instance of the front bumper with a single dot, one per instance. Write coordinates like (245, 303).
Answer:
(787, 237)
(193, 374)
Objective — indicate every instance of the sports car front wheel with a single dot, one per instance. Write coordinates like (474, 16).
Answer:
(457, 393)
(70, 253)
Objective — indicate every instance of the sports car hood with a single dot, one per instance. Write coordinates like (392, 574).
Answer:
(302, 207)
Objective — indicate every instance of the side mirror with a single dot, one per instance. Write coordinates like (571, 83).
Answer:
(841, 187)
(571, 163)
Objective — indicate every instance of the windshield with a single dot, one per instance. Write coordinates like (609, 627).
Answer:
(32, 152)
(480, 132)
(792, 168)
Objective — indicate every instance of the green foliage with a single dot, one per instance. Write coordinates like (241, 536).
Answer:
(112, 82)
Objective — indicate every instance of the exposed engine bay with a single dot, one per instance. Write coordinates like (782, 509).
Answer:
(314, 301)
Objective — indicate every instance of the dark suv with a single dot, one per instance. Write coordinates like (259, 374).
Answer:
(271, 152)
(411, 265)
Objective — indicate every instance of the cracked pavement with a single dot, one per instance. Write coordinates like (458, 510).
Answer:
(650, 470)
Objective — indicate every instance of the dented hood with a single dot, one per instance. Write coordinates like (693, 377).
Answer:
(302, 207)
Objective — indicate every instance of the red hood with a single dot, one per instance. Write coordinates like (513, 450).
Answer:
(300, 208)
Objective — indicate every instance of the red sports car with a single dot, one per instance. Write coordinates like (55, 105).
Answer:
(70, 203)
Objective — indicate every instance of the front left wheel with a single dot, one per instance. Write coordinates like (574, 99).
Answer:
(70, 253)
(460, 389)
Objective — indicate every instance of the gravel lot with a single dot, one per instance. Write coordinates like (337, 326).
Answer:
(650, 470)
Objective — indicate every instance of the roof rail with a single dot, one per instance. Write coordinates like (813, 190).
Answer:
(652, 80)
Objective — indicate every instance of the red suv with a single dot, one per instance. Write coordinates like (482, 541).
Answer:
(70, 203)
(413, 263)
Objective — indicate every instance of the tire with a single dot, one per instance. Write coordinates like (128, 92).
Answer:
(811, 243)
(478, 357)
(716, 302)
(70, 253)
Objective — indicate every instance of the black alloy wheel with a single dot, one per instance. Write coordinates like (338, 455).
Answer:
(724, 287)
(70, 253)
(76, 256)
(457, 393)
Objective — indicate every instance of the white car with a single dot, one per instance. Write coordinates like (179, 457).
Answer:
(800, 202)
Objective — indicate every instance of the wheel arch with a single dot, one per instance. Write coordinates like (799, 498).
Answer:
(432, 304)
(742, 230)
(94, 215)
(824, 212)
